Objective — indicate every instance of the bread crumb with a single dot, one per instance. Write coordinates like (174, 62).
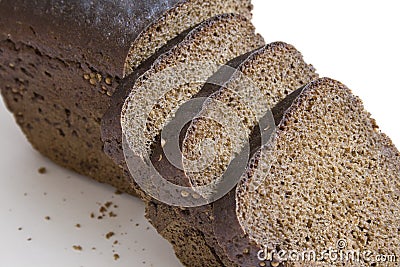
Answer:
(112, 214)
(118, 192)
(77, 225)
(86, 76)
(77, 247)
(42, 170)
(116, 256)
(109, 235)
(19, 228)
(108, 204)
(102, 209)
(29, 239)
(92, 215)
(47, 218)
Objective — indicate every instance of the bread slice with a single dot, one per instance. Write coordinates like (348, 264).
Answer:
(213, 42)
(333, 179)
(278, 69)
(183, 16)
(61, 62)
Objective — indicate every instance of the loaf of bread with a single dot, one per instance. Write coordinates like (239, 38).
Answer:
(84, 78)
(62, 61)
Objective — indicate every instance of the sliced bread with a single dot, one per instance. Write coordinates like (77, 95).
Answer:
(286, 69)
(213, 42)
(329, 180)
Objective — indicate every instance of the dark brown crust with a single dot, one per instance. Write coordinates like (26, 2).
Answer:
(97, 32)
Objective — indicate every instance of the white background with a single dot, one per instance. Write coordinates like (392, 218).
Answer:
(356, 42)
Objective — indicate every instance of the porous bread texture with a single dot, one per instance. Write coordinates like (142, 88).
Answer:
(333, 176)
(228, 117)
(158, 93)
(185, 15)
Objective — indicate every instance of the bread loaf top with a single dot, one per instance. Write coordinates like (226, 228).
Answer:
(99, 32)
(102, 33)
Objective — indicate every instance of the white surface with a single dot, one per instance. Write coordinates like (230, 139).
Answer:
(27, 197)
(356, 42)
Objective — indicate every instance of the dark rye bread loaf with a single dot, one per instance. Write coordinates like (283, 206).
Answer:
(277, 70)
(61, 62)
(216, 40)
